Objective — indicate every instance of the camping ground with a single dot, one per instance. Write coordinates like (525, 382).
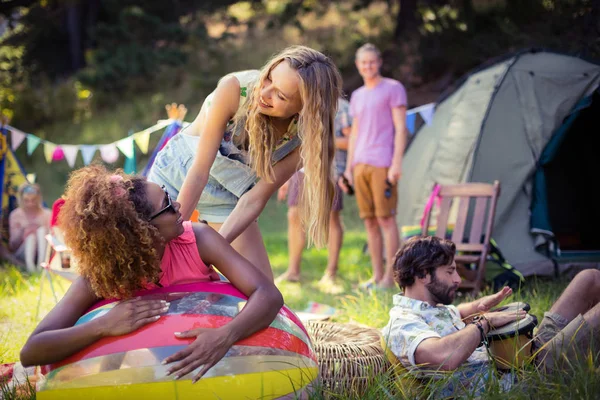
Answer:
(19, 296)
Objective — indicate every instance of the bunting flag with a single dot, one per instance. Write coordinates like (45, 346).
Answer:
(109, 153)
(87, 152)
(70, 151)
(427, 113)
(32, 142)
(49, 151)
(58, 154)
(17, 138)
(143, 141)
(410, 122)
(126, 147)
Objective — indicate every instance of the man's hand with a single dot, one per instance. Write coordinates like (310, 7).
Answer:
(349, 177)
(488, 302)
(205, 351)
(497, 319)
(394, 172)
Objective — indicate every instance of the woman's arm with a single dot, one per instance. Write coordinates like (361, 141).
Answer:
(351, 146)
(254, 201)
(341, 143)
(15, 230)
(224, 106)
(264, 302)
(55, 338)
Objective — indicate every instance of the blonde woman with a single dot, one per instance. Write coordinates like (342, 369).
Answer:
(28, 224)
(252, 133)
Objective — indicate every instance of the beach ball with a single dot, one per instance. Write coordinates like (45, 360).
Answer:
(277, 362)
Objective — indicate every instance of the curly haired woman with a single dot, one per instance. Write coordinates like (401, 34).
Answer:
(252, 133)
(127, 234)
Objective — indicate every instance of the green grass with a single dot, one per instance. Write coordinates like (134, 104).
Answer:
(19, 295)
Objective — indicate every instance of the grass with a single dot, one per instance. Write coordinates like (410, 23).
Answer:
(19, 295)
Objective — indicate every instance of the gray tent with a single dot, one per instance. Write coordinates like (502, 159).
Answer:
(531, 121)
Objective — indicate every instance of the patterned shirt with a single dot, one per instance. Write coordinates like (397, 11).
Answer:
(342, 121)
(412, 321)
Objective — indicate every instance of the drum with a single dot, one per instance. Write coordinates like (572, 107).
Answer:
(511, 344)
(276, 362)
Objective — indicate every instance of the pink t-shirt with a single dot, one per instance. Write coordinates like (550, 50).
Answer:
(373, 108)
(181, 262)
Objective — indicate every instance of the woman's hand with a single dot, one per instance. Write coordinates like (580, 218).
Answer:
(208, 348)
(283, 191)
(30, 229)
(131, 315)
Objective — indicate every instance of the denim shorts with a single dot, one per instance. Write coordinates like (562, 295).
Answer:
(170, 168)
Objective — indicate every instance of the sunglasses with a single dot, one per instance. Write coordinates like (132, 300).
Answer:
(388, 190)
(30, 190)
(168, 207)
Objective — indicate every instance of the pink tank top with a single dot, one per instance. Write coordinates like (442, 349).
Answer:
(181, 262)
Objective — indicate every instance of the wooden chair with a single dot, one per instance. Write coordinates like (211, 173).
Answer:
(472, 247)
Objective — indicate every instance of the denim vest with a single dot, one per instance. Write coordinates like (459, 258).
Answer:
(232, 172)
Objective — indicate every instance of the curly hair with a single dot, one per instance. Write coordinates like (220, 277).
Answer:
(105, 224)
(420, 256)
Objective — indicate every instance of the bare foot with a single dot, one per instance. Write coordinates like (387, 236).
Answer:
(288, 277)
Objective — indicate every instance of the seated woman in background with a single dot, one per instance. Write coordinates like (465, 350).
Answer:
(127, 235)
(28, 225)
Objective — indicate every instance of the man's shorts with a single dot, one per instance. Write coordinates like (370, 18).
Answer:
(296, 188)
(558, 341)
(373, 196)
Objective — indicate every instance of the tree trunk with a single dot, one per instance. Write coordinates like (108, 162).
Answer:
(406, 19)
(73, 11)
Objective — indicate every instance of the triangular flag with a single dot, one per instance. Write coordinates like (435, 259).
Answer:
(126, 147)
(109, 153)
(410, 122)
(49, 148)
(87, 152)
(427, 113)
(17, 138)
(58, 154)
(70, 151)
(143, 141)
(32, 142)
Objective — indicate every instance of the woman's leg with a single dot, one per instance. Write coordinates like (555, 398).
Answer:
(296, 244)
(30, 249)
(250, 245)
(42, 244)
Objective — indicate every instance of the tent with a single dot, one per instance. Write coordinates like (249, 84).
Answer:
(532, 121)
(12, 176)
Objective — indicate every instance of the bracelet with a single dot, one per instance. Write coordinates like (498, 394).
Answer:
(483, 341)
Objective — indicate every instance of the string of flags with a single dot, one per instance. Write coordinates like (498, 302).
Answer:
(109, 152)
(425, 111)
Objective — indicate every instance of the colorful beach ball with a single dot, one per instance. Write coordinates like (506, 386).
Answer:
(277, 362)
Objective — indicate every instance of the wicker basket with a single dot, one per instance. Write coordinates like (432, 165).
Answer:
(350, 356)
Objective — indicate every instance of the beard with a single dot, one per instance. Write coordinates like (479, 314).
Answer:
(440, 292)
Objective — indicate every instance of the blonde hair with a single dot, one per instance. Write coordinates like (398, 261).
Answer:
(368, 47)
(29, 188)
(320, 87)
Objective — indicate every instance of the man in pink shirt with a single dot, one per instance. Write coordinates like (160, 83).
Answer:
(377, 141)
